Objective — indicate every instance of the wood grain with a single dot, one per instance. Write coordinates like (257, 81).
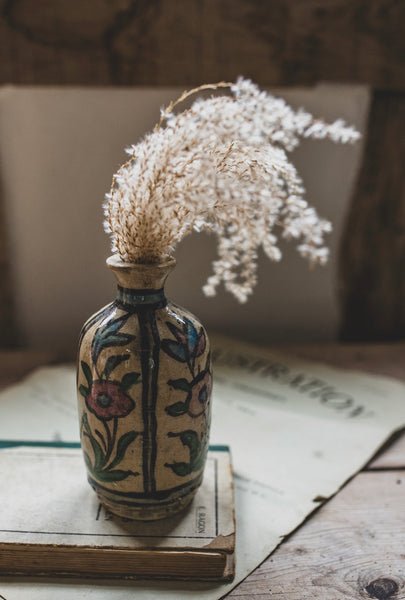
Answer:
(161, 42)
(283, 42)
(372, 261)
(9, 331)
(349, 550)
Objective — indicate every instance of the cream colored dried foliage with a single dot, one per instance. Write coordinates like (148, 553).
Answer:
(220, 166)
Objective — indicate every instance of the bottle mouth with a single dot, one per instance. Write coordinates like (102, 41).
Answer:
(141, 276)
(115, 262)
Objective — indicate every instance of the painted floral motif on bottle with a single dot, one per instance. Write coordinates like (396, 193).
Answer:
(110, 397)
(109, 401)
(188, 345)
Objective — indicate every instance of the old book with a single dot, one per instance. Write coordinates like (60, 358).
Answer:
(51, 523)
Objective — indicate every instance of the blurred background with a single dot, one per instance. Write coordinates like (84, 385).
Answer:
(81, 83)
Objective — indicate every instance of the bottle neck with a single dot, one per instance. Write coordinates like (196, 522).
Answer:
(141, 285)
(138, 297)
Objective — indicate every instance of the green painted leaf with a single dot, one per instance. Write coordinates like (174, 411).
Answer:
(85, 423)
(100, 435)
(199, 462)
(116, 475)
(84, 391)
(187, 338)
(197, 450)
(180, 333)
(94, 319)
(88, 462)
(87, 373)
(192, 337)
(180, 468)
(177, 409)
(190, 439)
(108, 335)
(128, 381)
(101, 475)
(180, 384)
(113, 362)
(111, 326)
(122, 446)
(117, 339)
(174, 350)
(99, 457)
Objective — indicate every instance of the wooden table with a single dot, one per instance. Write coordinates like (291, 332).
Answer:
(353, 546)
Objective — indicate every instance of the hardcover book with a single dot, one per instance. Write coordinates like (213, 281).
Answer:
(51, 524)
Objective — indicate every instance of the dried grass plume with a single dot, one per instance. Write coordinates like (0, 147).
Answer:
(220, 166)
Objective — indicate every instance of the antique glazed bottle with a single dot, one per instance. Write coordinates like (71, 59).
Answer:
(144, 386)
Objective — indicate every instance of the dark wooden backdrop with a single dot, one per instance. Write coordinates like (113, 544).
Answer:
(275, 42)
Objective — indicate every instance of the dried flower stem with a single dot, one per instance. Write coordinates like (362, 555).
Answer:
(187, 93)
(220, 166)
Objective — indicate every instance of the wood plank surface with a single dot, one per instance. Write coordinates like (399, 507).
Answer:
(9, 331)
(351, 549)
(187, 42)
(372, 259)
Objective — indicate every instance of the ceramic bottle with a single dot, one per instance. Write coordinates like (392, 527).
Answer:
(144, 386)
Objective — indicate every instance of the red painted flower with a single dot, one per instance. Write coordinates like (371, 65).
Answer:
(106, 401)
(200, 394)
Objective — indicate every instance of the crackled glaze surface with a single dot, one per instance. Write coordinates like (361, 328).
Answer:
(144, 387)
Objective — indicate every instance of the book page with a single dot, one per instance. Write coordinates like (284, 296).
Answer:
(297, 431)
(47, 501)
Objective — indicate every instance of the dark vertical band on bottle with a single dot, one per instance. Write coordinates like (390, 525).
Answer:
(145, 352)
(153, 397)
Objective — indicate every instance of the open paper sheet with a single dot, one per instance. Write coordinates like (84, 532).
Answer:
(297, 430)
